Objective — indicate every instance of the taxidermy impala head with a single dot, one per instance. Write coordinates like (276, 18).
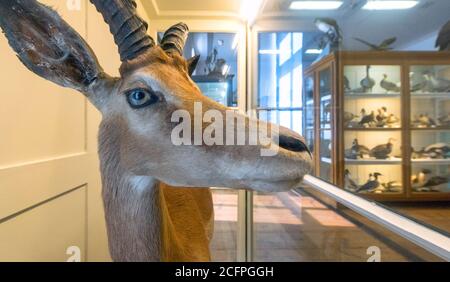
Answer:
(155, 82)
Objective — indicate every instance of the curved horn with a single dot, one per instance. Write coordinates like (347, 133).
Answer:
(129, 30)
(175, 38)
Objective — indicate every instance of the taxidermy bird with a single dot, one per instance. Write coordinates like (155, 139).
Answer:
(371, 184)
(333, 34)
(435, 181)
(367, 120)
(419, 86)
(367, 83)
(382, 151)
(388, 85)
(420, 178)
(359, 150)
(348, 117)
(349, 182)
(425, 121)
(392, 120)
(385, 45)
(437, 84)
(381, 117)
(443, 39)
(437, 151)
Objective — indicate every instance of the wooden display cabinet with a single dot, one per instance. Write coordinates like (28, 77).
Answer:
(346, 101)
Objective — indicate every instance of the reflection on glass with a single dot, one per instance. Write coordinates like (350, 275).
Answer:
(216, 72)
(294, 226)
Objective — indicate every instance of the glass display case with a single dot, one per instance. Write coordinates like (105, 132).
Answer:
(392, 124)
(309, 116)
(325, 121)
(430, 129)
(321, 107)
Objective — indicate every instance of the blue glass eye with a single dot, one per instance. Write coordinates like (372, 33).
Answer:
(139, 98)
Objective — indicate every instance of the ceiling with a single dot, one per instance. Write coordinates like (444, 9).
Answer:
(374, 26)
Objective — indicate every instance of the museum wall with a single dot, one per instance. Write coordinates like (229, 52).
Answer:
(50, 201)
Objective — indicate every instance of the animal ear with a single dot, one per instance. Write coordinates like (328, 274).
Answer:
(192, 64)
(48, 46)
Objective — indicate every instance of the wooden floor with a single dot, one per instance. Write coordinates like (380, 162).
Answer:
(293, 227)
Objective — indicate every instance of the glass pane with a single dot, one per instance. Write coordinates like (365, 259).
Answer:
(282, 58)
(430, 161)
(223, 245)
(373, 161)
(309, 112)
(430, 96)
(295, 226)
(325, 86)
(325, 155)
(288, 118)
(372, 97)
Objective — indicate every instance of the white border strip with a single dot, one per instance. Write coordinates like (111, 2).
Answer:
(420, 235)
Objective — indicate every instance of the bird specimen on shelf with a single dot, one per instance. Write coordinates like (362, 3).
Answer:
(392, 120)
(372, 184)
(382, 114)
(420, 86)
(348, 118)
(385, 45)
(389, 86)
(437, 151)
(436, 84)
(359, 150)
(381, 117)
(419, 179)
(423, 120)
(443, 39)
(435, 181)
(332, 33)
(367, 83)
(383, 151)
(367, 120)
(433, 151)
(349, 182)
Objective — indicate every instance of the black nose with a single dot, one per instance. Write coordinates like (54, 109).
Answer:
(292, 144)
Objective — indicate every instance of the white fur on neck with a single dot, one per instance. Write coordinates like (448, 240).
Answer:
(141, 183)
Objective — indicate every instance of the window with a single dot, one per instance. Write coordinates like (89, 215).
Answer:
(282, 60)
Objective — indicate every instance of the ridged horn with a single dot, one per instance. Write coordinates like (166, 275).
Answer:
(175, 38)
(129, 30)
